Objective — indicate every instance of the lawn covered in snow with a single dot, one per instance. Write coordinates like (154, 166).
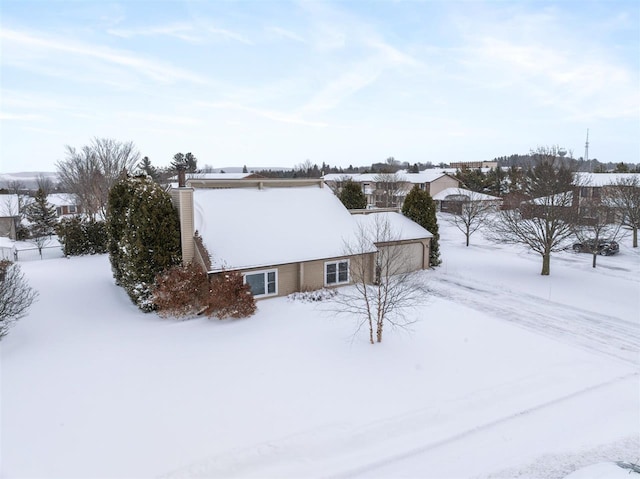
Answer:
(505, 374)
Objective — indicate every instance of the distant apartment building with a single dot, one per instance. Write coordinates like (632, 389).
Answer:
(473, 164)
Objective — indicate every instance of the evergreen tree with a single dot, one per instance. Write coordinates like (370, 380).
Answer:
(496, 181)
(80, 236)
(472, 178)
(144, 236)
(420, 207)
(119, 199)
(42, 215)
(352, 196)
(188, 162)
(42, 218)
(145, 167)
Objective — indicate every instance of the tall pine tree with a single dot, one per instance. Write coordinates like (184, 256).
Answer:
(420, 207)
(42, 218)
(41, 214)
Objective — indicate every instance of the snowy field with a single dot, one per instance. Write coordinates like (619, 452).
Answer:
(506, 374)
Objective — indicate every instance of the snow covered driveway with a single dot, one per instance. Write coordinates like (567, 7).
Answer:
(593, 331)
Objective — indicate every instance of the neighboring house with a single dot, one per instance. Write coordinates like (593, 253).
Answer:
(282, 235)
(591, 189)
(64, 203)
(450, 200)
(585, 199)
(9, 215)
(384, 190)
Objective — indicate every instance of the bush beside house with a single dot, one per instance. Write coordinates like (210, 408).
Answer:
(144, 236)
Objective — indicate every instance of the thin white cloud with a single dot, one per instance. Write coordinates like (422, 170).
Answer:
(193, 33)
(360, 75)
(20, 116)
(168, 119)
(230, 35)
(347, 84)
(582, 87)
(46, 131)
(273, 115)
(157, 71)
(281, 32)
(392, 54)
(181, 31)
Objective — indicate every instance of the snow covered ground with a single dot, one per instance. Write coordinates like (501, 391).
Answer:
(506, 374)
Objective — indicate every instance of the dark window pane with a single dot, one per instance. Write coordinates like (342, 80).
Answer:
(271, 282)
(343, 272)
(256, 283)
(331, 273)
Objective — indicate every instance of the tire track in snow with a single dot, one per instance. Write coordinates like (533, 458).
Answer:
(475, 430)
(311, 453)
(608, 335)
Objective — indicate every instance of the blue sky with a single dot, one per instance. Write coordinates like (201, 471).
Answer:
(274, 83)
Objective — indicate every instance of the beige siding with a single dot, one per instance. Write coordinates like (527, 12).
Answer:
(182, 199)
(442, 183)
(288, 279)
(405, 257)
(313, 275)
(306, 276)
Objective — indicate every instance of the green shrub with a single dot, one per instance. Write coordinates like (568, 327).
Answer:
(143, 236)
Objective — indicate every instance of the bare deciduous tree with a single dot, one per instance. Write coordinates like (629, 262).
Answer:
(473, 214)
(595, 223)
(16, 187)
(16, 208)
(91, 172)
(546, 220)
(384, 288)
(45, 184)
(16, 296)
(391, 188)
(624, 196)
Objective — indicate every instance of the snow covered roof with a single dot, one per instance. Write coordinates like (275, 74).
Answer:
(9, 205)
(217, 176)
(462, 192)
(252, 227)
(62, 199)
(602, 179)
(401, 228)
(559, 199)
(425, 176)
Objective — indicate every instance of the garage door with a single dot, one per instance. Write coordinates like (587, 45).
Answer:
(403, 258)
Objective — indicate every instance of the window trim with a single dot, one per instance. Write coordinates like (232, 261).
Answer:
(264, 273)
(337, 262)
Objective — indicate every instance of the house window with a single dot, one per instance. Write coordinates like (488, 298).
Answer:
(336, 272)
(72, 209)
(262, 283)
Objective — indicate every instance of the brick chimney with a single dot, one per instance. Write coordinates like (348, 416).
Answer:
(181, 177)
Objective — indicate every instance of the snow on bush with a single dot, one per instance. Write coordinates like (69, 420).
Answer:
(313, 296)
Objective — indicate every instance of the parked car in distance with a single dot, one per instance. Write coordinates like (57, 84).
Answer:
(605, 247)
